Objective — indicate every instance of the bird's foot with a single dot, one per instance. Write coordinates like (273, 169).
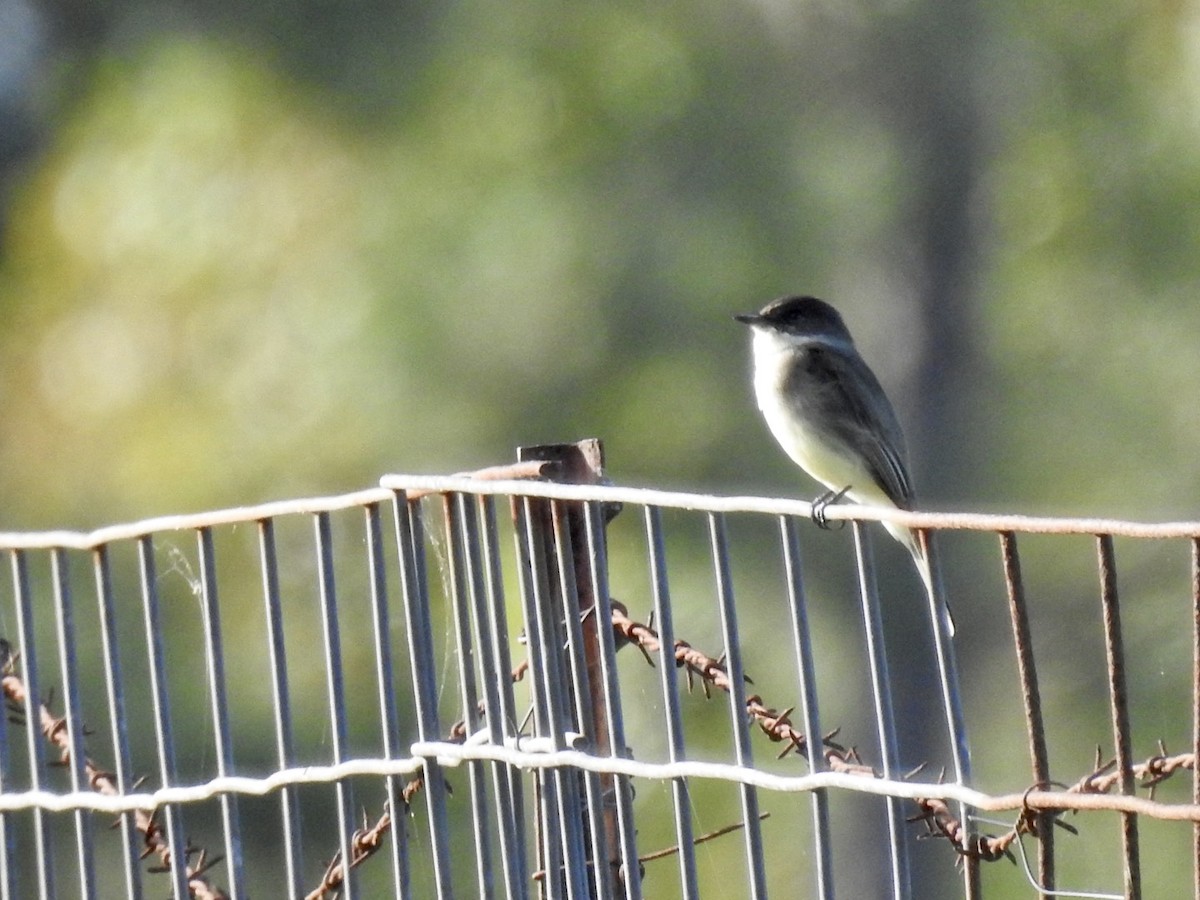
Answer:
(822, 503)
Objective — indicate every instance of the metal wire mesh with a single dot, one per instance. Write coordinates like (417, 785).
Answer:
(424, 679)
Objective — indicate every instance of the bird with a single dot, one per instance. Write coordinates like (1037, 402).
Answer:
(830, 414)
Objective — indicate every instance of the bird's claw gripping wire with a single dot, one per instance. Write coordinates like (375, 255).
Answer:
(823, 502)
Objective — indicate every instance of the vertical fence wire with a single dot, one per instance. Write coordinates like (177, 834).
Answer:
(8, 858)
(947, 667)
(630, 869)
(581, 690)
(389, 720)
(281, 704)
(1196, 712)
(543, 620)
(219, 702)
(1035, 727)
(809, 709)
(8, 838)
(335, 687)
(468, 691)
(164, 739)
(743, 753)
(885, 717)
(34, 746)
(1119, 703)
(494, 674)
(495, 616)
(424, 676)
(546, 822)
(64, 619)
(115, 690)
(669, 683)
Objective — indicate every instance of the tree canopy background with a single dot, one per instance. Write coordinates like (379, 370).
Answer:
(251, 251)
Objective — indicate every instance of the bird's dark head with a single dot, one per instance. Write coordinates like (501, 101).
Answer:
(799, 317)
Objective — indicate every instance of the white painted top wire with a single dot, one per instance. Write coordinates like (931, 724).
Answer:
(429, 484)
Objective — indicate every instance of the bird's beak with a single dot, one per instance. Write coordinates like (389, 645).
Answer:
(748, 318)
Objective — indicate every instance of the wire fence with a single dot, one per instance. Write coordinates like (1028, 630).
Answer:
(416, 691)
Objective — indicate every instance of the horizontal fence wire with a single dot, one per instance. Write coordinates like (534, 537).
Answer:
(507, 482)
(306, 694)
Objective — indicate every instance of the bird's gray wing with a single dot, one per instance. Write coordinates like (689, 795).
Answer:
(839, 391)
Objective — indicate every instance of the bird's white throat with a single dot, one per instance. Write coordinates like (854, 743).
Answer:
(807, 445)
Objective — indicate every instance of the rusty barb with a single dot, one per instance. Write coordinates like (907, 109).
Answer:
(1149, 774)
(1104, 779)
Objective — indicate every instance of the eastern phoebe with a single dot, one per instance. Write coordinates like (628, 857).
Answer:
(828, 411)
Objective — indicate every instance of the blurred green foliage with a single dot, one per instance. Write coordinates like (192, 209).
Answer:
(280, 249)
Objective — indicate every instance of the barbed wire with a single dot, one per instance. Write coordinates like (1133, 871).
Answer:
(934, 810)
(55, 732)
